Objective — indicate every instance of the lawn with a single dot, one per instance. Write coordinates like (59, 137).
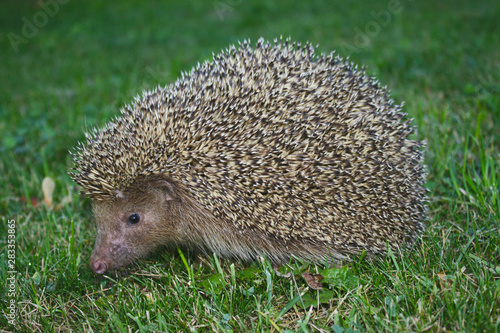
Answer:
(67, 66)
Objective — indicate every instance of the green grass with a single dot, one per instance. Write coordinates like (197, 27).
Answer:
(92, 57)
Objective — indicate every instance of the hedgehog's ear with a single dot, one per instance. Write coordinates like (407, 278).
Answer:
(167, 188)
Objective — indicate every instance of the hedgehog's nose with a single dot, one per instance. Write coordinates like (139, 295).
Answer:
(98, 266)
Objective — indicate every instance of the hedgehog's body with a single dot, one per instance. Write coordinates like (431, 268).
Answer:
(270, 151)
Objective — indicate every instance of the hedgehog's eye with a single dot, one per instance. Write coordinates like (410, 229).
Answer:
(134, 219)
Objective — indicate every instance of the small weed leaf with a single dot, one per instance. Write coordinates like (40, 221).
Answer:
(316, 298)
(249, 292)
(36, 278)
(341, 277)
(214, 282)
(249, 274)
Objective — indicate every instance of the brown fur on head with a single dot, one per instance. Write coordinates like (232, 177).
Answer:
(135, 222)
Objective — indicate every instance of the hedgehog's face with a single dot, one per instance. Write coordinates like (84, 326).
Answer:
(132, 225)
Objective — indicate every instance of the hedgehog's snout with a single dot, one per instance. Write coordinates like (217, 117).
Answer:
(98, 266)
(102, 258)
(113, 250)
(98, 261)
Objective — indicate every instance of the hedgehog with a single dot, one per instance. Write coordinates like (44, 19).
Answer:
(270, 151)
